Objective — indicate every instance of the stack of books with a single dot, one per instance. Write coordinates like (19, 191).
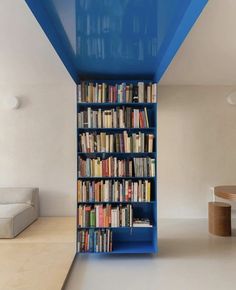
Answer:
(120, 142)
(119, 117)
(130, 93)
(98, 216)
(114, 191)
(142, 223)
(114, 167)
(95, 240)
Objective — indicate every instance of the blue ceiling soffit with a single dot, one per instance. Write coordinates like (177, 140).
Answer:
(116, 39)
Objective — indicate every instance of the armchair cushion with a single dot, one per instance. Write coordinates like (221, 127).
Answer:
(9, 195)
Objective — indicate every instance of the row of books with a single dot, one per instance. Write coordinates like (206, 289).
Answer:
(114, 191)
(105, 216)
(120, 117)
(103, 93)
(95, 240)
(124, 142)
(114, 167)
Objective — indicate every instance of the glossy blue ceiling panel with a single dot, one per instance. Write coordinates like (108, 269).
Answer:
(116, 39)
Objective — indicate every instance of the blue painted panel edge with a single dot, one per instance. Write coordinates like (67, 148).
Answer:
(191, 15)
(48, 27)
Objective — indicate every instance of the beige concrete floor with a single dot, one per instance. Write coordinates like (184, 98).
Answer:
(40, 257)
(189, 259)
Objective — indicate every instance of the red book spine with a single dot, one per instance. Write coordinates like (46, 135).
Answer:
(141, 121)
(106, 168)
(103, 167)
(101, 216)
(107, 217)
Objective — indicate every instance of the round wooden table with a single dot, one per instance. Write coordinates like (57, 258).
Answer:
(219, 218)
(226, 192)
(220, 212)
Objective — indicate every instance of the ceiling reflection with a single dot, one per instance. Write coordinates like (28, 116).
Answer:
(115, 38)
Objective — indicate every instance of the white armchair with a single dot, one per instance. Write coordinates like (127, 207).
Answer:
(19, 207)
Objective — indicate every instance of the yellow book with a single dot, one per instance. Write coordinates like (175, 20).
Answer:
(103, 142)
(104, 92)
(99, 164)
(150, 143)
(92, 164)
(90, 93)
(99, 93)
(148, 192)
(128, 144)
(146, 117)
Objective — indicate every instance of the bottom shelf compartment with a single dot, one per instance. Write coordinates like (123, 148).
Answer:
(128, 241)
(133, 248)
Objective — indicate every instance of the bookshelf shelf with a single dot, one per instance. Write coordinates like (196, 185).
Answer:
(117, 130)
(128, 248)
(116, 178)
(116, 154)
(118, 202)
(111, 105)
(133, 248)
(116, 237)
(115, 228)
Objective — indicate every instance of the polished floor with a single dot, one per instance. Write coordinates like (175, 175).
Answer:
(189, 259)
(40, 257)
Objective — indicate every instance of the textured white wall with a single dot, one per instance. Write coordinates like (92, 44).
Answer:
(196, 147)
(38, 144)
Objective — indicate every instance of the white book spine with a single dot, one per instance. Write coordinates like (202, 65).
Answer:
(79, 94)
(89, 117)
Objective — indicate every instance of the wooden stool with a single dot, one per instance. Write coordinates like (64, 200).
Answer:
(219, 218)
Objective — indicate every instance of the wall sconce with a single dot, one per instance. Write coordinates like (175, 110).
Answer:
(10, 103)
(231, 98)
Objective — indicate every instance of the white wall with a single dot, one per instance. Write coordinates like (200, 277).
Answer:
(38, 144)
(196, 147)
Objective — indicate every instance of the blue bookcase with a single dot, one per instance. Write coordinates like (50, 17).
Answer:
(126, 239)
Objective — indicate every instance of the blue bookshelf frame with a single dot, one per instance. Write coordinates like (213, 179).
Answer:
(127, 240)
